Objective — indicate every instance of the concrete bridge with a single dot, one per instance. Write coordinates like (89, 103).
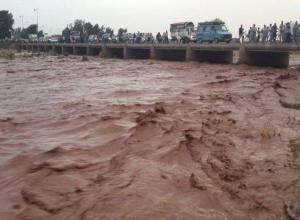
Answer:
(276, 55)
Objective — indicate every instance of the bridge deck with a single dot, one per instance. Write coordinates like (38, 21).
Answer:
(194, 46)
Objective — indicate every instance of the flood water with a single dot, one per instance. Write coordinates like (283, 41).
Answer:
(145, 139)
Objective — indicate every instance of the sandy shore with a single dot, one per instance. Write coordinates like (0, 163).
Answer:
(115, 139)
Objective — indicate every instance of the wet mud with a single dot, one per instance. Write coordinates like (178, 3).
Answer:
(116, 139)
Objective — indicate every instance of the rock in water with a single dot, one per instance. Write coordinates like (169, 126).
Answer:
(85, 58)
(293, 211)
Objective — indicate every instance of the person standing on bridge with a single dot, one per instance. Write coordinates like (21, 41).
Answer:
(151, 38)
(274, 33)
(254, 33)
(258, 35)
(158, 37)
(165, 37)
(270, 33)
(264, 34)
(296, 32)
(281, 31)
(251, 35)
(288, 33)
(241, 34)
(267, 33)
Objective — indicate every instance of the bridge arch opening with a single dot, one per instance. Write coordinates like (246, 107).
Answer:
(35, 48)
(170, 55)
(58, 49)
(115, 53)
(213, 56)
(133, 53)
(48, 48)
(82, 51)
(42, 48)
(68, 50)
(93, 51)
(266, 58)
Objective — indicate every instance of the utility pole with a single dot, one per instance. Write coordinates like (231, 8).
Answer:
(37, 19)
(37, 27)
(22, 26)
(22, 21)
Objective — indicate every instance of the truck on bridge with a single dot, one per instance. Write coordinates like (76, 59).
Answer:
(183, 32)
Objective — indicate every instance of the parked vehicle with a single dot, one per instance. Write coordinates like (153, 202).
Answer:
(75, 37)
(193, 37)
(55, 39)
(125, 38)
(182, 32)
(93, 39)
(106, 38)
(213, 31)
(114, 39)
(32, 38)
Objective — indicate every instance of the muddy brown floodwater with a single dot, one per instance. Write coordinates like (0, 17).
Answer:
(115, 139)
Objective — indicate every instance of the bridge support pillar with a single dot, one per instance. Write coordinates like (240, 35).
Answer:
(35, 48)
(88, 50)
(189, 56)
(264, 58)
(41, 48)
(105, 53)
(153, 53)
(19, 48)
(52, 50)
(38, 48)
(63, 50)
(126, 54)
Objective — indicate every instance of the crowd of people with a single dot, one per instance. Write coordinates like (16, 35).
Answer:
(284, 33)
(161, 38)
(139, 37)
(136, 38)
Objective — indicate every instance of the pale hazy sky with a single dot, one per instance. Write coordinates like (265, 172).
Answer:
(150, 15)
